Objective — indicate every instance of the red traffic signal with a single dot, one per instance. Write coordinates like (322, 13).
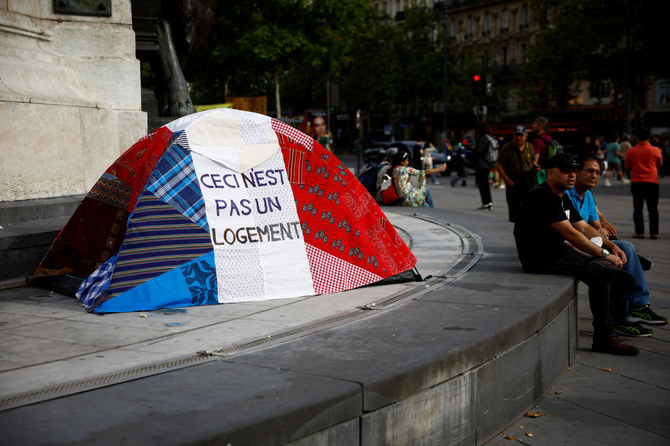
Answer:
(476, 78)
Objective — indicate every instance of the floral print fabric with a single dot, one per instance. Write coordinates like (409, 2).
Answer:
(411, 183)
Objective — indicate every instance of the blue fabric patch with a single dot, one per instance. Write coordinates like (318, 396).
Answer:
(174, 181)
(193, 283)
(97, 283)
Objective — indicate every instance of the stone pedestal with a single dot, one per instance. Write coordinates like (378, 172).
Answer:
(70, 99)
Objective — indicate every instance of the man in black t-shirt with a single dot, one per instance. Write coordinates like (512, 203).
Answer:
(552, 238)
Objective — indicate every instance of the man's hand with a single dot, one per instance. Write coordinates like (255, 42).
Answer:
(621, 256)
(610, 228)
(614, 260)
(604, 232)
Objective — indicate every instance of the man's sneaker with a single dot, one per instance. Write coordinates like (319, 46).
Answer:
(632, 329)
(605, 271)
(646, 315)
(645, 263)
(614, 346)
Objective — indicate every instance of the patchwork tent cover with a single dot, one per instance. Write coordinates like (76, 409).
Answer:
(223, 206)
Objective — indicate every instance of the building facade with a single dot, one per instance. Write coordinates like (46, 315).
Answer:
(500, 32)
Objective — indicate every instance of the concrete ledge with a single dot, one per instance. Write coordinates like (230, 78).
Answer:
(455, 365)
(28, 229)
(26, 211)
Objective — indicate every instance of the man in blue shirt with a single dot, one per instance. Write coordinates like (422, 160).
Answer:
(629, 307)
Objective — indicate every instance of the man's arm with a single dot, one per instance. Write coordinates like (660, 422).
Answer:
(502, 173)
(579, 234)
(605, 227)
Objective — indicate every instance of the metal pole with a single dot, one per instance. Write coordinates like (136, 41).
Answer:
(626, 119)
(446, 63)
(328, 104)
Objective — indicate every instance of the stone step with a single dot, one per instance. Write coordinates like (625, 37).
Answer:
(28, 229)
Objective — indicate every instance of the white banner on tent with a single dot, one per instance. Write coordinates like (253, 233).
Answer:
(254, 226)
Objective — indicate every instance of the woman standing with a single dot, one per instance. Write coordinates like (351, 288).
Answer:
(321, 133)
(486, 148)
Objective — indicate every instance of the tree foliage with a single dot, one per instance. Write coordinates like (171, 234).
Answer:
(594, 40)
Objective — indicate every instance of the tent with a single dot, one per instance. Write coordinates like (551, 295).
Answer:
(223, 206)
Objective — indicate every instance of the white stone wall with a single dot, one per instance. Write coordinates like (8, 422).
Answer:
(69, 97)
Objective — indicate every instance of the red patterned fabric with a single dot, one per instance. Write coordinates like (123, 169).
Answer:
(339, 218)
(95, 232)
(136, 164)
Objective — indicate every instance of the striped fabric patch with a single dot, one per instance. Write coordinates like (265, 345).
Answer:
(295, 165)
(175, 182)
(159, 238)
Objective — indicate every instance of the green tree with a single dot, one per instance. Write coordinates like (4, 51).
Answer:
(250, 48)
(595, 40)
(336, 29)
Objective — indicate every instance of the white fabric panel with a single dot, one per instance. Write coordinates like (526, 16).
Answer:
(240, 130)
(254, 226)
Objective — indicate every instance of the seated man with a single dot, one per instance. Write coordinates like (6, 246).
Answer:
(546, 220)
(632, 305)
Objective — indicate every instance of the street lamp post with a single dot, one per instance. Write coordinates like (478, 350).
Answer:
(446, 63)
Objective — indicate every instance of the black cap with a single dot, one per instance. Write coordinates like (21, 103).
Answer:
(520, 130)
(563, 161)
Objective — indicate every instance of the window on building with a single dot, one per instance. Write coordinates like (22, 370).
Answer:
(505, 22)
(522, 53)
(452, 29)
(487, 25)
(504, 57)
(524, 17)
(469, 28)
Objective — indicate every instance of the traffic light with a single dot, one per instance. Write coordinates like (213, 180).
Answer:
(476, 85)
(489, 85)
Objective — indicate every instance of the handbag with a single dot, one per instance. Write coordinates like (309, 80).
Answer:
(389, 193)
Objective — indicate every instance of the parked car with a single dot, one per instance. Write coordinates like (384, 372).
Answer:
(376, 153)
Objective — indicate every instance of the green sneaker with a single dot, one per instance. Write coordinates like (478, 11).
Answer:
(632, 329)
(646, 315)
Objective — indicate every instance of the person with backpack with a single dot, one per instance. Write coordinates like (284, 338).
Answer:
(485, 155)
(384, 170)
(541, 141)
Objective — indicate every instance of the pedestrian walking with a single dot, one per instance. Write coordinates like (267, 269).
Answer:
(486, 154)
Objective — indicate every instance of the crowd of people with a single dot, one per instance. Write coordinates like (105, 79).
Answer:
(558, 228)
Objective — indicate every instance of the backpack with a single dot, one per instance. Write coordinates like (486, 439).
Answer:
(553, 148)
(368, 178)
(491, 154)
